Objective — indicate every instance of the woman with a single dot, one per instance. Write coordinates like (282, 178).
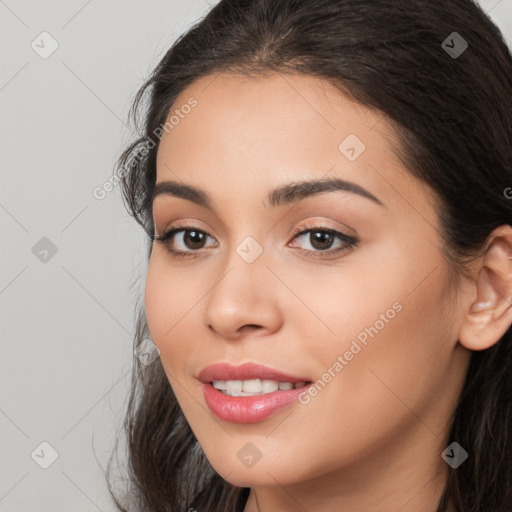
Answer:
(325, 185)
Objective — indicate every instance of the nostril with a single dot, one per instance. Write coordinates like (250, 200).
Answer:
(250, 327)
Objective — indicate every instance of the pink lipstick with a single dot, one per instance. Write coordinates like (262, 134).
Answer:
(248, 393)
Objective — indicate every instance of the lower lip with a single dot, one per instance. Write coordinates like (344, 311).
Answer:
(248, 409)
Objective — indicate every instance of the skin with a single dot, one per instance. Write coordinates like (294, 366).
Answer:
(372, 438)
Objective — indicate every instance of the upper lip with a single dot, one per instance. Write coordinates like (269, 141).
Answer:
(245, 371)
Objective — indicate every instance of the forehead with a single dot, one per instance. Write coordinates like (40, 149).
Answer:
(274, 111)
(261, 131)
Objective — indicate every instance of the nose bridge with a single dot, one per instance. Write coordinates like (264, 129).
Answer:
(248, 236)
(242, 295)
(245, 272)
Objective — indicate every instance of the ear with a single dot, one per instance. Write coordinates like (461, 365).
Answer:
(489, 316)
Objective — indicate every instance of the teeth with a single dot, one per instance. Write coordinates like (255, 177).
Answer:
(233, 386)
(253, 387)
(220, 384)
(269, 386)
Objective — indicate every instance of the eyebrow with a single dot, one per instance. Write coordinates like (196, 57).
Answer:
(284, 194)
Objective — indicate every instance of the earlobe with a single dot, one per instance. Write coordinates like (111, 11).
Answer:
(489, 314)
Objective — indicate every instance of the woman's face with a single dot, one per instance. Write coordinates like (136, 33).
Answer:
(367, 315)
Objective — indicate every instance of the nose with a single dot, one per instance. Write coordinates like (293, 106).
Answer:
(243, 300)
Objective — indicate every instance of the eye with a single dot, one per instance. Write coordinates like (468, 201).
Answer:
(186, 236)
(319, 238)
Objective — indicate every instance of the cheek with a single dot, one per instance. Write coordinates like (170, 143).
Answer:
(166, 306)
(172, 304)
(394, 347)
(156, 300)
(377, 334)
(166, 302)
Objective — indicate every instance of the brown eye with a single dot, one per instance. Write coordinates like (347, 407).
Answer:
(193, 239)
(190, 240)
(321, 240)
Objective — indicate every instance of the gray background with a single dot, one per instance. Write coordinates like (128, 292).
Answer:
(67, 318)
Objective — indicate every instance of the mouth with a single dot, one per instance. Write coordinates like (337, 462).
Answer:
(249, 393)
(255, 387)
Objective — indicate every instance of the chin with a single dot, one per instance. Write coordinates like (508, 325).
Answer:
(263, 473)
(252, 477)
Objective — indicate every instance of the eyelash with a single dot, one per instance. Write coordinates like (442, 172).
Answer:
(167, 235)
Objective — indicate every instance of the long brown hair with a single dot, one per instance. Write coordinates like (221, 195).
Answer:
(453, 115)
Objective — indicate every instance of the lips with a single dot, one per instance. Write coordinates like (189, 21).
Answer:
(246, 371)
(248, 409)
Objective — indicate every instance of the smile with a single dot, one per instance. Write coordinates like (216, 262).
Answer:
(253, 387)
(248, 393)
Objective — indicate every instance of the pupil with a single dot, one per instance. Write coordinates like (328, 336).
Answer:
(317, 238)
(190, 236)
